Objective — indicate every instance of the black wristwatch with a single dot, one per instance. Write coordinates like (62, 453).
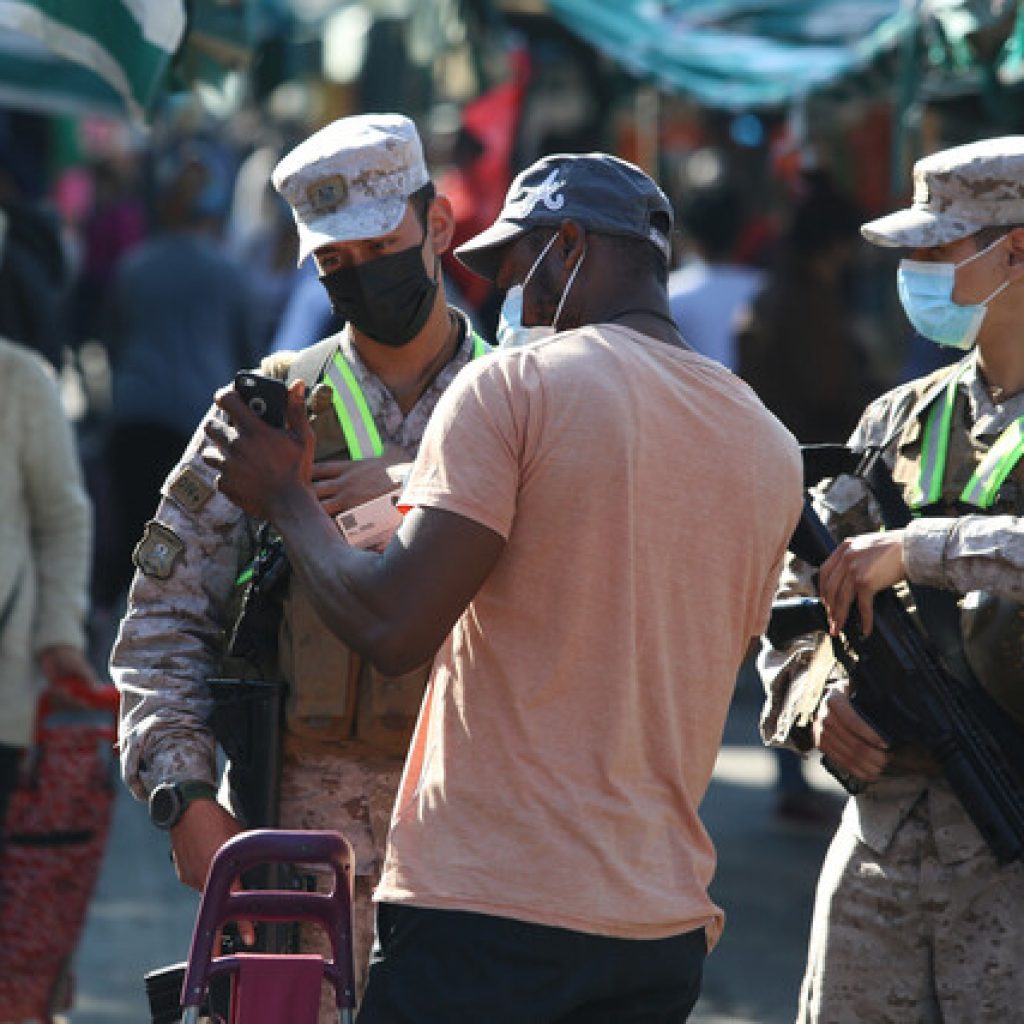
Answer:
(168, 801)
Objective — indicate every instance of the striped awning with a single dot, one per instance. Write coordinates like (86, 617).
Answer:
(76, 56)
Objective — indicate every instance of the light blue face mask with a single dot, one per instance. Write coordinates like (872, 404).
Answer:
(926, 292)
(512, 333)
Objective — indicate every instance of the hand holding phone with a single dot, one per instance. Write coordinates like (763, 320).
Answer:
(265, 396)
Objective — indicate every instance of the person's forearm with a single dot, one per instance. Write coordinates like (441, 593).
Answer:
(969, 553)
(345, 584)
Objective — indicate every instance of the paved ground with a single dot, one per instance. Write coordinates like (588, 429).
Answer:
(142, 918)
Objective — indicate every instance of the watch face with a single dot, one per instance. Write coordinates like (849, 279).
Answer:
(164, 805)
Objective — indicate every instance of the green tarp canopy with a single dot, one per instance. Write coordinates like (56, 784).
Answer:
(742, 54)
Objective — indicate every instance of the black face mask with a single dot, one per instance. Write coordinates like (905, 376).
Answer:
(388, 298)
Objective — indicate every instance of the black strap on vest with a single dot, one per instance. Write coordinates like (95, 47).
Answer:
(938, 609)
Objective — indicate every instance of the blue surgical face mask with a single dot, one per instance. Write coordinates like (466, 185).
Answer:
(512, 333)
(926, 292)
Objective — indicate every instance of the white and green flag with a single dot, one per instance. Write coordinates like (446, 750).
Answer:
(77, 56)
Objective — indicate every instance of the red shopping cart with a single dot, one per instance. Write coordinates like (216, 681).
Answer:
(55, 836)
(267, 988)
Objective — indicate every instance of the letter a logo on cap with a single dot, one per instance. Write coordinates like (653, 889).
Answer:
(547, 192)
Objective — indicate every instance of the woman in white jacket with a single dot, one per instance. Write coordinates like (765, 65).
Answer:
(45, 547)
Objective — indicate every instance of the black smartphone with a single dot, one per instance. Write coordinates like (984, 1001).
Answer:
(266, 396)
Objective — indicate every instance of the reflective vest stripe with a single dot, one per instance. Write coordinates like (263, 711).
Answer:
(480, 347)
(361, 433)
(982, 488)
(935, 446)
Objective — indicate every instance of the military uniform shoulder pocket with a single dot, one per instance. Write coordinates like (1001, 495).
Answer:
(189, 489)
(155, 555)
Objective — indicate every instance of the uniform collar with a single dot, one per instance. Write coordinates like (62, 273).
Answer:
(986, 415)
(395, 426)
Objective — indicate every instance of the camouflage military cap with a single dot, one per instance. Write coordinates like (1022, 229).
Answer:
(957, 192)
(351, 179)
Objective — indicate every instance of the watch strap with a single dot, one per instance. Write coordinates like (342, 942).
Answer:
(195, 789)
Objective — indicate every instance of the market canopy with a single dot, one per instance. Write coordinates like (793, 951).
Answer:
(739, 54)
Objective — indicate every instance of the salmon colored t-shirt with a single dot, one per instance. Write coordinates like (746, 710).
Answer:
(573, 718)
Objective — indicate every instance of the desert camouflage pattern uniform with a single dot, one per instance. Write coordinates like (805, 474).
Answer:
(172, 640)
(914, 920)
(355, 797)
(969, 553)
(957, 192)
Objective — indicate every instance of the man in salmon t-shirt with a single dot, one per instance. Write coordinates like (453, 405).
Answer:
(596, 522)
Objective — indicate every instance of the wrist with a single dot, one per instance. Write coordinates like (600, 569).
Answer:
(289, 506)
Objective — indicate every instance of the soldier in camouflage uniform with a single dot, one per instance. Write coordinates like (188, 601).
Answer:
(365, 209)
(914, 919)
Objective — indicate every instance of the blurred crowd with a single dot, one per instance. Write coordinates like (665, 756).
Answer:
(146, 276)
(150, 270)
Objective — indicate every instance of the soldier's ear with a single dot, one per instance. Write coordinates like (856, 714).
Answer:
(440, 224)
(1015, 244)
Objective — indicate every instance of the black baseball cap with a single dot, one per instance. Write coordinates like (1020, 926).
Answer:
(603, 193)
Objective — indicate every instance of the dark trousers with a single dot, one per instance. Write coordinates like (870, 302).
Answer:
(10, 758)
(454, 967)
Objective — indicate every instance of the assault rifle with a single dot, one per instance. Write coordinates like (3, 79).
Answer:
(901, 686)
(247, 718)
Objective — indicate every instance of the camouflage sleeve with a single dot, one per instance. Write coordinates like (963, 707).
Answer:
(784, 673)
(969, 553)
(795, 679)
(171, 638)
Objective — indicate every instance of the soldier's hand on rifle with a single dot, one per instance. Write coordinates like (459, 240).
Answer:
(846, 739)
(857, 570)
(204, 828)
(259, 464)
(342, 484)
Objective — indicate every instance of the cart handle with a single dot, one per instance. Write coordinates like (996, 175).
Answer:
(333, 911)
